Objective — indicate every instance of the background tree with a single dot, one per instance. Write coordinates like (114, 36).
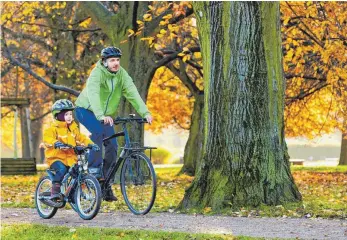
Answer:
(53, 44)
(315, 63)
(245, 155)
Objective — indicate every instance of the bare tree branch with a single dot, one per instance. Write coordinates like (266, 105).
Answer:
(8, 112)
(30, 71)
(30, 37)
(40, 117)
(289, 76)
(174, 54)
(181, 74)
(312, 35)
(60, 29)
(152, 25)
(6, 70)
(305, 94)
(185, 128)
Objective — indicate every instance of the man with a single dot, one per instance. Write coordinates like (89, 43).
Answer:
(99, 100)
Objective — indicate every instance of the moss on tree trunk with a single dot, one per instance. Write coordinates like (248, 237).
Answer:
(193, 148)
(245, 160)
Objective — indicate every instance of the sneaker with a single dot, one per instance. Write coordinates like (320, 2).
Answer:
(109, 196)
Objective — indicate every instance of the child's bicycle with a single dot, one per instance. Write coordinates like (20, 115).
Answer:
(79, 188)
(137, 178)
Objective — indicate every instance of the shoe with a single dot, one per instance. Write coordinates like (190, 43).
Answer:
(109, 196)
(55, 192)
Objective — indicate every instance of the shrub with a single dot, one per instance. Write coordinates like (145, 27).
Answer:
(159, 156)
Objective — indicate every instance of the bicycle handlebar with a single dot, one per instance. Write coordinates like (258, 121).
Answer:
(119, 120)
(77, 149)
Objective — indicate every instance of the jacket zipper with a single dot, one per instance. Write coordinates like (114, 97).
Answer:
(108, 99)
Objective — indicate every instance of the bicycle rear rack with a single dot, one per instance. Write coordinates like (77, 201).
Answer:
(136, 147)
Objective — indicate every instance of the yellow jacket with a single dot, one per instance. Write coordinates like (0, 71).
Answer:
(59, 131)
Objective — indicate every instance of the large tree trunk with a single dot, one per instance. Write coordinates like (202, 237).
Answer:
(193, 148)
(343, 153)
(245, 160)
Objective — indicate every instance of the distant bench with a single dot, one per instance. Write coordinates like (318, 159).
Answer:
(297, 161)
(19, 166)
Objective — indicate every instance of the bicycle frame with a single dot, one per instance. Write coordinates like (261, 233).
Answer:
(126, 151)
(116, 164)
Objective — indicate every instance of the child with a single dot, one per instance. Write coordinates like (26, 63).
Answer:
(61, 132)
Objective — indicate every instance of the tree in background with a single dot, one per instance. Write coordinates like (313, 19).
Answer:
(45, 44)
(245, 159)
(315, 63)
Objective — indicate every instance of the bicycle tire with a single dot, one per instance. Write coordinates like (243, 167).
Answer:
(131, 182)
(87, 182)
(39, 205)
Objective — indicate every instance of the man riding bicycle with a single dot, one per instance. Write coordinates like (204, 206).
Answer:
(99, 101)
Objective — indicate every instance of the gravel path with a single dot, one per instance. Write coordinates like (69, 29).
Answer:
(255, 227)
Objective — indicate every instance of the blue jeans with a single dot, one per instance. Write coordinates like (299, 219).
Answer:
(60, 171)
(99, 131)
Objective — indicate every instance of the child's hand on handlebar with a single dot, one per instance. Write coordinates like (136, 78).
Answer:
(108, 120)
(94, 147)
(61, 145)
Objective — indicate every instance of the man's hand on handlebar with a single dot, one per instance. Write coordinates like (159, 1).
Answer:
(108, 120)
(149, 119)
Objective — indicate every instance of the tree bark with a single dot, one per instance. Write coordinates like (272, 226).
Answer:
(24, 133)
(36, 129)
(245, 160)
(343, 153)
(193, 148)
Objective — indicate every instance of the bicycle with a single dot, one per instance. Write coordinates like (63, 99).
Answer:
(79, 188)
(137, 179)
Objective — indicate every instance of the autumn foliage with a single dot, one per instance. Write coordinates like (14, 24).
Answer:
(60, 43)
(315, 63)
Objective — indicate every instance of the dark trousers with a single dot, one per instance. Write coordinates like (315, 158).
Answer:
(60, 171)
(99, 131)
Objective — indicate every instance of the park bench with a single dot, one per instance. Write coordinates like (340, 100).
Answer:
(297, 161)
(19, 166)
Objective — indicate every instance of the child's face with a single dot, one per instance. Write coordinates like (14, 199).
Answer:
(68, 117)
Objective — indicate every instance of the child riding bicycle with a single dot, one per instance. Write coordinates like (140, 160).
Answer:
(62, 132)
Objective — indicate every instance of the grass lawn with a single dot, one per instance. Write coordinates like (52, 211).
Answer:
(38, 232)
(324, 191)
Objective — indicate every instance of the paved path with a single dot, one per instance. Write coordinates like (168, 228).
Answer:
(255, 227)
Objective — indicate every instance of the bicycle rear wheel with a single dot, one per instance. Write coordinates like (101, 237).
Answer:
(138, 183)
(43, 190)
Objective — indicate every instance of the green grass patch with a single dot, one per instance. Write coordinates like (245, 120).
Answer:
(37, 232)
(341, 169)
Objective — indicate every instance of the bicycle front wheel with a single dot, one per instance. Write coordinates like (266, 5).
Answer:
(88, 197)
(138, 183)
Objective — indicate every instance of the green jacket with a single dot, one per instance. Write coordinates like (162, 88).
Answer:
(104, 90)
